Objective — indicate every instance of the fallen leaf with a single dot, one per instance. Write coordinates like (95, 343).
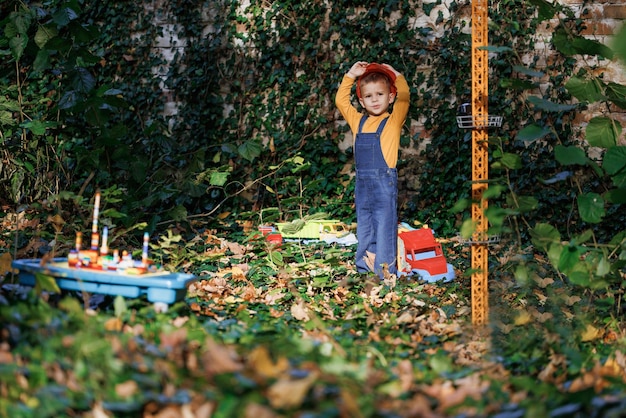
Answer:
(289, 393)
(545, 282)
(255, 410)
(261, 362)
(126, 389)
(5, 264)
(218, 359)
(113, 324)
(523, 318)
(299, 311)
(591, 333)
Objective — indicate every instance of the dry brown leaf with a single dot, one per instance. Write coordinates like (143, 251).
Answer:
(6, 357)
(255, 410)
(113, 324)
(223, 215)
(545, 282)
(169, 411)
(522, 318)
(289, 393)
(206, 410)
(57, 222)
(126, 389)
(572, 300)
(274, 296)
(219, 359)
(591, 333)
(179, 321)
(5, 264)
(550, 373)
(98, 411)
(173, 339)
(404, 371)
(261, 362)
(300, 312)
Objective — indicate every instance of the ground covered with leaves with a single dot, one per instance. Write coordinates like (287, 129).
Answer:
(295, 331)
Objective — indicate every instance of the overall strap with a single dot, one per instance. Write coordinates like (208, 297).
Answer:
(381, 126)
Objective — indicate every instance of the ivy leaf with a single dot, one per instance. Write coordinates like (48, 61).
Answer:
(575, 45)
(42, 60)
(516, 83)
(578, 272)
(614, 163)
(616, 93)
(511, 161)
(20, 22)
(570, 155)
(523, 204)
(18, 45)
(591, 207)
(218, 178)
(493, 191)
(616, 196)
(532, 132)
(497, 215)
(544, 234)
(460, 206)
(548, 106)
(37, 127)
(46, 283)
(545, 10)
(178, 213)
(495, 49)
(467, 228)
(614, 160)
(64, 16)
(119, 305)
(6, 118)
(249, 150)
(68, 100)
(603, 132)
(585, 90)
(83, 80)
(528, 72)
(44, 34)
(570, 256)
(603, 267)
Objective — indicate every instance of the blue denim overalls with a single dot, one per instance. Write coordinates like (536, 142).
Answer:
(376, 196)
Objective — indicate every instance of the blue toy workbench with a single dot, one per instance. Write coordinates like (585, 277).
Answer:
(160, 288)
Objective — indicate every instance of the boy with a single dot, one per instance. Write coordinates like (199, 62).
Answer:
(376, 142)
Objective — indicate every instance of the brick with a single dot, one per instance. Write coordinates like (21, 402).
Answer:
(615, 11)
(594, 12)
(600, 28)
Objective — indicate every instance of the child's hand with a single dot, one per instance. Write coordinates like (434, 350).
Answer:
(391, 68)
(358, 68)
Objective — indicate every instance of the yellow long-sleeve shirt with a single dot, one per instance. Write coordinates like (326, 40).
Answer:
(390, 137)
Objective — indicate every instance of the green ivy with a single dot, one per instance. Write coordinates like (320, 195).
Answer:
(86, 90)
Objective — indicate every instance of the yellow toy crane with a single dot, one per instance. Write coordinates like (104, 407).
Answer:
(479, 121)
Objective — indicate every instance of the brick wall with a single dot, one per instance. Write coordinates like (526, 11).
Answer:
(603, 18)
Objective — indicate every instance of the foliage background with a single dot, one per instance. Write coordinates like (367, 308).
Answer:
(185, 110)
(87, 104)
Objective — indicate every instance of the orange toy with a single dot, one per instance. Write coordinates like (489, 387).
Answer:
(421, 254)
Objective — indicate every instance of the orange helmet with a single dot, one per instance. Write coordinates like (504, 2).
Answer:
(381, 69)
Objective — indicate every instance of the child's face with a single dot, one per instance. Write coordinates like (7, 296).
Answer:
(376, 97)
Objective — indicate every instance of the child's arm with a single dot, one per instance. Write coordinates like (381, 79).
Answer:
(358, 69)
(343, 97)
(401, 103)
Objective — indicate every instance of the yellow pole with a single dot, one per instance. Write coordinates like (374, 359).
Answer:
(480, 93)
